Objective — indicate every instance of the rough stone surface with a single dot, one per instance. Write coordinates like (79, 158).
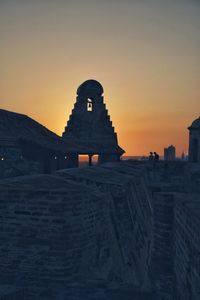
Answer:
(121, 230)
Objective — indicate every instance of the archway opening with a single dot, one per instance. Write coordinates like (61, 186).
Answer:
(95, 158)
(87, 160)
(89, 105)
(83, 160)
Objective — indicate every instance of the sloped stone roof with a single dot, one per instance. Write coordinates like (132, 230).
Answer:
(15, 127)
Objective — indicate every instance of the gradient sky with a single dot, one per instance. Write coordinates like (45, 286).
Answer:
(144, 52)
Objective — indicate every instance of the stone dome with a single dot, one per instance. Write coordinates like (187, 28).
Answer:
(90, 88)
(195, 124)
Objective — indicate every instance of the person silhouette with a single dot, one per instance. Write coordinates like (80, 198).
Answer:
(151, 156)
(156, 156)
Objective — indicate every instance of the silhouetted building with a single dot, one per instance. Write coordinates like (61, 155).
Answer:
(90, 125)
(194, 141)
(24, 141)
(170, 153)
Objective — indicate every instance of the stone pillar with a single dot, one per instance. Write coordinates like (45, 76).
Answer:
(72, 160)
(90, 160)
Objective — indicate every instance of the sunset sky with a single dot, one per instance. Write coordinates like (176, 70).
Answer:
(145, 53)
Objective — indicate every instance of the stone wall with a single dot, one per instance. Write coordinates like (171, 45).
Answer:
(49, 236)
(17, 167)
(130, 218)
(78, 224)
(175, 264)
(120, 223)
(163, 252)
(187, 247)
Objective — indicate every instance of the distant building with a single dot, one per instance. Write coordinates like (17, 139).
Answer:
(194, 141)
(183, 156)
(170, 153)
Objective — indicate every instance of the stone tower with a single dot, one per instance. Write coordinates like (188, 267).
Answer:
(194, 141)
(90, 126)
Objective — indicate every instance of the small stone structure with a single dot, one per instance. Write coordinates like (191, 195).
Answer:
(194, 141)
(90, 125)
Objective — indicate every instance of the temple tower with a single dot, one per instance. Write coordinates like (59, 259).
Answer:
(90, 126)
(194, 141)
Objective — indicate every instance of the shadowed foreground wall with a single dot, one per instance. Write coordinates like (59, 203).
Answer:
(62, 229)
(49, 231)
(132, 224)
(129, 213)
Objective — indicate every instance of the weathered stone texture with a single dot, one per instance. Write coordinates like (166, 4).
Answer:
(132, 223)
(49, 237)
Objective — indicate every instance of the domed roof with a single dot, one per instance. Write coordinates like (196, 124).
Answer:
(195, 124)
(90, 87)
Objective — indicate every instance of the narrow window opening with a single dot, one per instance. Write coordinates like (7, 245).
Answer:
(89, 105)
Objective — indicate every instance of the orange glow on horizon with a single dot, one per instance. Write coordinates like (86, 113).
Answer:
(139, 130)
